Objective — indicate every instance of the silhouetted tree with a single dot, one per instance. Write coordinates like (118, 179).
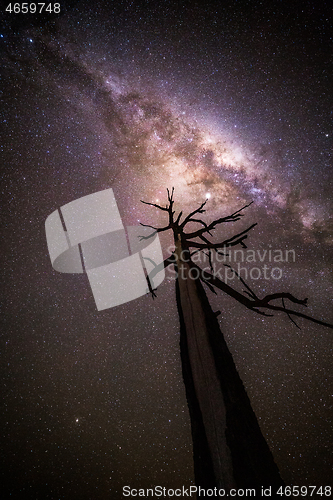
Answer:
(229, 448)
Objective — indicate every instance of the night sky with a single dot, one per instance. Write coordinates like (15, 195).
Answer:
(226, 100)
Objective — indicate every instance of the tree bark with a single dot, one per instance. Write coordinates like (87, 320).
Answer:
(229, 448)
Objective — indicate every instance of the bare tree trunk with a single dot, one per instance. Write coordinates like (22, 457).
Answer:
(229, 448)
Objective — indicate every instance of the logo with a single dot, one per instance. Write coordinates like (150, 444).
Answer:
(87, 235)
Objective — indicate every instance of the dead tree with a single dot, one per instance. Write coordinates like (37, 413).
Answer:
(228, 446)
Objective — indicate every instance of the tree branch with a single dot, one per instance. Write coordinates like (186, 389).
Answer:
(178, 218)
(260, 303)
(154, 205)
(233, 241)
(283, 295)
(209, 227)
(249, 299)
(151, 289)
(156, 230)
(197, 211)
(250, 292)
(199, 221)
(163, 265)
(291, 319)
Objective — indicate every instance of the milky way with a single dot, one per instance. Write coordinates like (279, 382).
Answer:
(230, 103)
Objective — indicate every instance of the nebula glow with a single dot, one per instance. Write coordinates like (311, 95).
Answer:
(229, 103)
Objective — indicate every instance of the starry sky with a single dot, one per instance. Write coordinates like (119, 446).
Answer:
(229, 101)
